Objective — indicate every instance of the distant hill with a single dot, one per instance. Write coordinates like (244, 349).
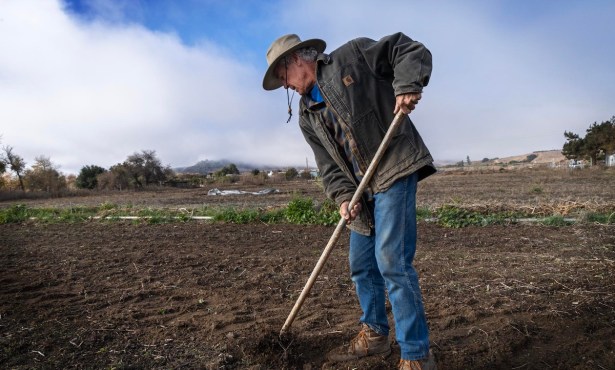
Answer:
(538, 157)
(205, 167)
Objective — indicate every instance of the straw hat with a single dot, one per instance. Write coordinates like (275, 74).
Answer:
(282, 47)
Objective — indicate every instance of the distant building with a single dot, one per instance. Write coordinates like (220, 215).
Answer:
(573, 163)
(610, 160)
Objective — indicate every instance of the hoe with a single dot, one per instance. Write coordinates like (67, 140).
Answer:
(340, 226)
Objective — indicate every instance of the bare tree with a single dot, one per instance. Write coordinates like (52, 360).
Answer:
(2, 162)
(44, 176)
(137, 171)
(15, 163)
(145, 168)
(2, 167)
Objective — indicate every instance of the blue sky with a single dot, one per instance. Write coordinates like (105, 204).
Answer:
(91, 82)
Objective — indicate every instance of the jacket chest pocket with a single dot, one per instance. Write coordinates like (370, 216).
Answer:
(368, 133)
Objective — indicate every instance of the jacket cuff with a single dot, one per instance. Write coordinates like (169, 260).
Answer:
(410, 88)
(342, 198)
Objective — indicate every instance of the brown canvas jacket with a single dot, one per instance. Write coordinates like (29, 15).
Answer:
(359, 81)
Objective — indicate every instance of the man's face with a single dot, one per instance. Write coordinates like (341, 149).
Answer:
(296, 75)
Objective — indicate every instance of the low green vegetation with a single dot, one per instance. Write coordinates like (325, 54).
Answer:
(601, 218)
(304, 211)
(456, 217)
(555, 220)
(238, 216)
(17, 213)
(300, 210)
(21, 213)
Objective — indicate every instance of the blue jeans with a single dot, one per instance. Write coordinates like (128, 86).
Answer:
(384, 259)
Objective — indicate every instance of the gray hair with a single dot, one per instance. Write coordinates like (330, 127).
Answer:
(308, 54)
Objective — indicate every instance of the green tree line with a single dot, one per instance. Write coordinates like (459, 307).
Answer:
(137, 171)
(598, 142)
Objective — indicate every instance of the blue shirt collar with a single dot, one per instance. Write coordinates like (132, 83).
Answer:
(315, 94)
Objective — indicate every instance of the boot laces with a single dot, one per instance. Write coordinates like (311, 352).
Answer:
(414, 365)
(361, 340)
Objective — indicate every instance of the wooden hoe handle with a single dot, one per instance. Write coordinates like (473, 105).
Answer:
(340, 226)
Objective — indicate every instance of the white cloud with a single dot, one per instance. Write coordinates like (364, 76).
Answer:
(93, 93)
(89, 92)
(496, 89)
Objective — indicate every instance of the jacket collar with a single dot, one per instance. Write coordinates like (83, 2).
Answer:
(307, 102)
(324, 58)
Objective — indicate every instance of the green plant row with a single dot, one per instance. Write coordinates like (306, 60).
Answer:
(457, 217)
(20, 213)
(300, 210)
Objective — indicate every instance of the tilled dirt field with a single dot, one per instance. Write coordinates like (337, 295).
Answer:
(202, 295)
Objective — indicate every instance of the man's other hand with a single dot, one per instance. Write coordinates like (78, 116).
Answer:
(406, 102)
(349, 216)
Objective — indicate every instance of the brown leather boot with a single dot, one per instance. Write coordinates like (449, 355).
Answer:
(366, 343)
(428, 363)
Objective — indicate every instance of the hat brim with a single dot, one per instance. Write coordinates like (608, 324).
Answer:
(270, 81)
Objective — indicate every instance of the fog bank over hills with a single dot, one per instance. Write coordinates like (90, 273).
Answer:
(535, 157)
(210, 166)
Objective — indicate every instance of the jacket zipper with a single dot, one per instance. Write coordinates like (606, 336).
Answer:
(353, 177)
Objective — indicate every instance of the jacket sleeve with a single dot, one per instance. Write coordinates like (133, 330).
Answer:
(338, 187)
(398, 57)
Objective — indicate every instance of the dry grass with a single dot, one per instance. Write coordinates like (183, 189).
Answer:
(532, 192)
(537, 192)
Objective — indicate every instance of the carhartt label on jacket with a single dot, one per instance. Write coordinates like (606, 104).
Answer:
(348, 80)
